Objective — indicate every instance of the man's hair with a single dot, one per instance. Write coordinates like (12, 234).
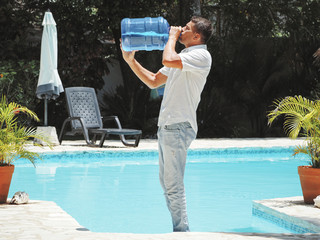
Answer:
(203, 27)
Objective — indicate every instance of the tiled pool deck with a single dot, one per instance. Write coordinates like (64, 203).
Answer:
(46, 220)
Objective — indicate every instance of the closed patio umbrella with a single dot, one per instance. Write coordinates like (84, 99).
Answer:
(49, 83)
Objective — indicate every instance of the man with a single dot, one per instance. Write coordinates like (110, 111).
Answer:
(184, 75)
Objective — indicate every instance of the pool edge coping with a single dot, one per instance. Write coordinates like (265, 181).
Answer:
(291, 213)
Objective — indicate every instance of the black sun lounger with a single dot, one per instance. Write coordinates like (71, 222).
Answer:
(85, 118)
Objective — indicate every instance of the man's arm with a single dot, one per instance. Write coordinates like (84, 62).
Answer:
(170, 57)
(152, 80)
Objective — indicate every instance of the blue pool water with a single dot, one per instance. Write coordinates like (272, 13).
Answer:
(120, 191)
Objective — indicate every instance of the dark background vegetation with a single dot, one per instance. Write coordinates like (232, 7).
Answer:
(261, 50)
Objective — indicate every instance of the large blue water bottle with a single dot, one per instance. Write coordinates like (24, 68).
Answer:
(144, 33)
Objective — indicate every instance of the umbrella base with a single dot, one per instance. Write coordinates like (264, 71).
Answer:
(50, 133)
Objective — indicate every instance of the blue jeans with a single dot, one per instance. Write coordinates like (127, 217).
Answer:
(174, 141)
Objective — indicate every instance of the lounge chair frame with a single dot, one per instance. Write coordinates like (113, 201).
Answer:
(84, 117)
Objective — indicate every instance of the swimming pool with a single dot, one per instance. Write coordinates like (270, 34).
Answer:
(119, 191)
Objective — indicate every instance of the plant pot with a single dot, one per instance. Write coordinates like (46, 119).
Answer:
(310, 183)
(5, 180)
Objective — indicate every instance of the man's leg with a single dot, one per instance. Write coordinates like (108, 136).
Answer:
(174, 141)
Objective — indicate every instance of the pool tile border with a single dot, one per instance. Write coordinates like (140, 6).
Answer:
(279, 221)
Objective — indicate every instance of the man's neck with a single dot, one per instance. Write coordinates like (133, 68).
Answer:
(193, 44)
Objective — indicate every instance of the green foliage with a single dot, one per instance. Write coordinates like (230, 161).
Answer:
(13, 137)
(300, 115)
(244, 80)
(261, 50)
(16, 30)
(263, 18)
(18, 81)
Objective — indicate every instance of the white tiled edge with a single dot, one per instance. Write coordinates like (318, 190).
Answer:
(291, 213)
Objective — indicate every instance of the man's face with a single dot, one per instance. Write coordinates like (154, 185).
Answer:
(187, 33)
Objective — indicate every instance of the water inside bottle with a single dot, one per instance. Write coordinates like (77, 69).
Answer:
(144, 41)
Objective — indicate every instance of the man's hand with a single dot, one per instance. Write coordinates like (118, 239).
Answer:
(127, 56)
(175, 32)
(170, 58)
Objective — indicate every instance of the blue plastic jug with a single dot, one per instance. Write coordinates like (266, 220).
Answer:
(144, 33)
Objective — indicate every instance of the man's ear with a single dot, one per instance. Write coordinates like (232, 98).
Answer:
(196, 36)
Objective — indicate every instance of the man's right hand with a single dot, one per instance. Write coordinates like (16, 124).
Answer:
(175, 32)
(127, 56)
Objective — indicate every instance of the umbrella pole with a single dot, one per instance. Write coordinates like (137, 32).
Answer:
(45, 112)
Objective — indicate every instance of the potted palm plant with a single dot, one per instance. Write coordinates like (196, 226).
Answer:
(13, 141)
(302, 116)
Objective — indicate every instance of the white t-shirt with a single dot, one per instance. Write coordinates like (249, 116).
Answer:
(184, 86)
